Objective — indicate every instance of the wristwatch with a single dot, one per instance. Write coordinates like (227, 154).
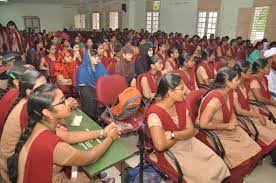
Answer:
(101, 135)
(172, 135)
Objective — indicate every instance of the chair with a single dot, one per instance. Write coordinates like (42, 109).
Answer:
(264, 110)
(107, 90)
(145, 146)
(193, 102)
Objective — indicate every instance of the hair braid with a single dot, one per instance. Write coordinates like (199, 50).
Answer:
(12, 161)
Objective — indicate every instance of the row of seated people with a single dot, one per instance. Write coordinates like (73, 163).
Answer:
(91, 69)
(169, 125)
(34, 127)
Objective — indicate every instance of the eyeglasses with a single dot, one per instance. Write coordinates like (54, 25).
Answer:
(62, 102)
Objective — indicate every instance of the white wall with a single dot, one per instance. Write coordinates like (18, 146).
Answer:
(228, 16)
(178, 16)
(52, 17)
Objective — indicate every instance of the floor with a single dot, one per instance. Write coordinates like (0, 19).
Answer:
(263, 173)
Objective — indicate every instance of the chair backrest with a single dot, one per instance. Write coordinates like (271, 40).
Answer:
(109, 87)
(193, 102)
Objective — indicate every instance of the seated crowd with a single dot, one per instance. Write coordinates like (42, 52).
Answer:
(166, 69)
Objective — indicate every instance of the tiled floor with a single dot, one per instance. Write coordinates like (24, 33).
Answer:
(263, 173)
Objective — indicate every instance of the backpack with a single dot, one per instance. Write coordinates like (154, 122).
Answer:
(127, 104)
(150, 175)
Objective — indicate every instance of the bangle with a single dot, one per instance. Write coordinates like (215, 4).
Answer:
(101, 134)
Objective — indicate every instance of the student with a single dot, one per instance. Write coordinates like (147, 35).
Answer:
(126, 66)
(170, 127)
(48, 61)
(142, 63)
(90, 70)
(89, 44)
(221, 51)
(187, 73)
(36, 54)
(266, 128)
(77, 53)
(162, 51)
(14, 38)
(147, 83)
(216, 112)
(205, 69)
(10, 97)
(256, 54)
(46, 110)
(63, 70)
(172, 60)
(78, 41)
(17, 118)
(259, 85)
(193, 44)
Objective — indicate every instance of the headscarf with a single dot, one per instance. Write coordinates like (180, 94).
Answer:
(86, 75)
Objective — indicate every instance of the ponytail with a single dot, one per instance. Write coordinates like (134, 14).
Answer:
(207, 52)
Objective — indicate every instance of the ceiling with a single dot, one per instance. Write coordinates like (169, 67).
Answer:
(64, 2)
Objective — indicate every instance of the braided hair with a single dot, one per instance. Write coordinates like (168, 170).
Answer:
(14, 74)
(27, 81)
(41, 98)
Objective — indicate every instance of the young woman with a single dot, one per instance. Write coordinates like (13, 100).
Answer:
(47, 109)
(48, 61)
(89, 44)
(77, 53)
(221, 51)
(63, 69)
(258, 84)
(266, 128)
(170, 127)
(141, 65)
(7, 101)
(232, 53)
(172, 60)
(14, 38)
(216, 112)
(205, 69)
(147, 83)
(17, 118)
(126, 67)
(202, 44)
(161, 51)
(256, 54)
(193, 44)
(90, 70)
(187, 73)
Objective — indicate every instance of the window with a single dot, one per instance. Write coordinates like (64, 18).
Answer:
(152, 21)
(258, 23)
(79, 21)
(114, 20)
(32, 24)
(96, 21)
(207, 23)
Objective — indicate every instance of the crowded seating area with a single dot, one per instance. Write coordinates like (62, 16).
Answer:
(203, 109)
